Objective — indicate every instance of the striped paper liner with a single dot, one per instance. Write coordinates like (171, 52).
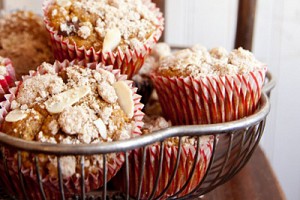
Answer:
(8, 80)
(72, 185)
(186, 160)
(128, 61)
(210, 99)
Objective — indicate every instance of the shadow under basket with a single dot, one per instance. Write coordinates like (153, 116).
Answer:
(233, 144)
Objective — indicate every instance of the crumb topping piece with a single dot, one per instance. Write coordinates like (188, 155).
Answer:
(155, 123)
(198, 61)
(39, 87)
(107, 92)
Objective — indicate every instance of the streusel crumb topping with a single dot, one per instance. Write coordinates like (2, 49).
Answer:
(156, 123)
(79, 103)
(198, 61)
(103, 24)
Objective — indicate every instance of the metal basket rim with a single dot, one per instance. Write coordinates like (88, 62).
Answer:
(137, 142)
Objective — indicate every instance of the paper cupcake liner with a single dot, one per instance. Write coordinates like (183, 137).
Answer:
(7, 81)
(93, 180)
(128, 61)
(187, 158)
(208, 100)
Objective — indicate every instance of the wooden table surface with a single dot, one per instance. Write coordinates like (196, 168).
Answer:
(256, 181)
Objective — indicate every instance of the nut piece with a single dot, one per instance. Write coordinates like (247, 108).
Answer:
(101, 128)
(59, 102)
(125, 99)
(111, 40)
(15, 115)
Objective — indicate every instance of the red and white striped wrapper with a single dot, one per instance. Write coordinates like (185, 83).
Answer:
(187, 158)
(129, 61)
(210, 99)
(8, 80)
(72, 185)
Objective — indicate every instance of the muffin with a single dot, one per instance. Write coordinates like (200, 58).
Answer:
(24, 39)
(170, 150)
(120, 33)
(142, 79)
(7, 76)
(69, 103)
(197, 86)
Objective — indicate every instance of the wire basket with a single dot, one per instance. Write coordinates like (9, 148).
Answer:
(233, 145)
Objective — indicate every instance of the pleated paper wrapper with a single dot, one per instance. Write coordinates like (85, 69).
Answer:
(129, 61)
(180, 180)
(8, 80)
(210, 99)
(72, 185)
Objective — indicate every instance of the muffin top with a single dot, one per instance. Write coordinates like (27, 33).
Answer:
(159, 51)
(154, 123)
(24, 39)
(75, 105)
(151, 62)
(103, 24)
(198, 62)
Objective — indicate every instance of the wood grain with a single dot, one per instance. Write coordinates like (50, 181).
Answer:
(256, 181)
(245, 24)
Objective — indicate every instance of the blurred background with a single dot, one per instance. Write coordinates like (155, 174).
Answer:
(276, 42)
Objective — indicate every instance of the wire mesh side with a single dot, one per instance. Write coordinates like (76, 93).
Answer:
(11, 186)
(39, 177)
(212, 181)
(21, 178)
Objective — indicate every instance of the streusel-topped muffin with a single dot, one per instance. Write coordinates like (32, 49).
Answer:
(104, 30)
(93, 23)
(24, 39)
(71, 103)
(197, 86)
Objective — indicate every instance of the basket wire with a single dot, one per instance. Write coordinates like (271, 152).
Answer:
(233, 145)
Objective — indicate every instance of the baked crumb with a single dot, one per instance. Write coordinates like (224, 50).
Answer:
(156, 123)
(198, 61)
